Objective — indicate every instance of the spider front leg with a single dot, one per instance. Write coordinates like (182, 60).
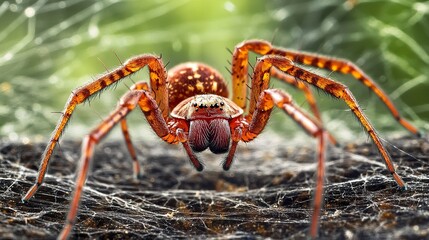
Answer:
(259, 118)
(158, 78)
(240, 63)
(240, 78)
(347, 67)
(154, 116)
(301, 86)
(335, 89)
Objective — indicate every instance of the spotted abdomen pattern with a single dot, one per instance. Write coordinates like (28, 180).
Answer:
(191, 79)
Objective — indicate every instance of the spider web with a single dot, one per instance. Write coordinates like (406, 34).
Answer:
(267, 193)
(49, 48)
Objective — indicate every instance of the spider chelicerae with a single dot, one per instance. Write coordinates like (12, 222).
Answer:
(190, 105)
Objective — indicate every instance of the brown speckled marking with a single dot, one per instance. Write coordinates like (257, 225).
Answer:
(190, 79)
(103, 84)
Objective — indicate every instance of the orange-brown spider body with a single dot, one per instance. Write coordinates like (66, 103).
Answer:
(199, 98)
(209, 117)
(200, 106)
(190, 105)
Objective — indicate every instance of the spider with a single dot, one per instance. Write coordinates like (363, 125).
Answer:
(190, 106)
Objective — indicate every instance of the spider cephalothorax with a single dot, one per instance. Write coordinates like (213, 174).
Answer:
(209, 119)
(199, 96)
(190, 106)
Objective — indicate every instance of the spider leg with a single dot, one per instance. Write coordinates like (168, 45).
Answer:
(128, 103)
(338, 90)
(275, 97)
(301, 86)
(240, 64)
(347, 67)
(308, 95)
(240, 77)
(158, 78)
(136, 165)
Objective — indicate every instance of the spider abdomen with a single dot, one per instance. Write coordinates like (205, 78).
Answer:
(190, 79)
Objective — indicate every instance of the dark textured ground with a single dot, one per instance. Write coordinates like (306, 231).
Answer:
(267, 193)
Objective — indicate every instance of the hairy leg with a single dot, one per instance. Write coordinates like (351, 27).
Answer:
(338, 90)
(127, 104)
(240, 65)
(301, 86)
(346, 67)
(158, 78)
(308, 95)
(275, 97)
(136, 165)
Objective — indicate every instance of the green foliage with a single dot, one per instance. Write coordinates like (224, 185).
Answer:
(49, 48)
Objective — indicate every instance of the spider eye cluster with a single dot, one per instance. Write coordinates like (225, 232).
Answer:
(208, 104)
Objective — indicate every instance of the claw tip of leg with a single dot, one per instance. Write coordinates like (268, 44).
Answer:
(225, 167)
(138, 176)
(419, 134)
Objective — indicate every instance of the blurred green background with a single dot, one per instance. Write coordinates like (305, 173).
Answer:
(48, 48)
